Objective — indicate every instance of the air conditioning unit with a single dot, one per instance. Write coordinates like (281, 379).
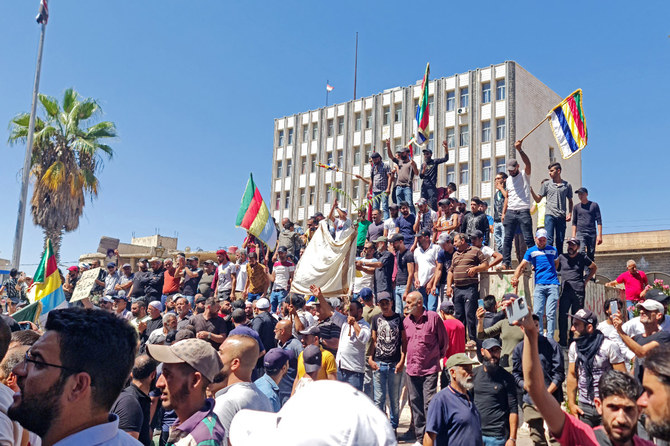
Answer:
(462, 110)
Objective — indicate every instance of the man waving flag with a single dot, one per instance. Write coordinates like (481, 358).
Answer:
(254, 216)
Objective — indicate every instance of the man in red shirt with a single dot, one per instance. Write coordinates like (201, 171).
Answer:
(455, 333)
(635, 282)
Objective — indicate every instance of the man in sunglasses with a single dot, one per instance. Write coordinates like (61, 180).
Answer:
(72, 375)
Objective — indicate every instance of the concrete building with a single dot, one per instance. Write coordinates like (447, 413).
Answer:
(480, 113)
(649, 249)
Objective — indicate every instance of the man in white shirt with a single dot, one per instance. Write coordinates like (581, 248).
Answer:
(365, 271)
(477, 238)
(516, 209)
(425, 259)
(634, 327)
(607, 328)
(354, 337)
(390, 226)
(241, 263)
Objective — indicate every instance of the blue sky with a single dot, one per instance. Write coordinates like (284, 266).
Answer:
(194, 87)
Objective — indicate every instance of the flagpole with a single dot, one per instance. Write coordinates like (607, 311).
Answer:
(18, 235)
(356, 66)
(327, 83)
(534, 128)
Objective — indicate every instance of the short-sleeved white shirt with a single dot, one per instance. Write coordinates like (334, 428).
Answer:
(425, 263)
(608, 354)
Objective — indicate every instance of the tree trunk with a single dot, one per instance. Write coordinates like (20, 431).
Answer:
(56, 236)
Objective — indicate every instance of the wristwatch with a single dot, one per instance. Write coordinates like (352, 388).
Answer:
(209, 335)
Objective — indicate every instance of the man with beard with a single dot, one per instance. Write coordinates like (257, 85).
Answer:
(119, 307)
(590, 356)
(452, 416)
(654, 400)
(390, 225)
(140, 318)
(238, 354)
(154, 286)
(140, 279)
(205, 284)
(405, 223)
(616, 402)
(126, 282)
(209, 325)
(635, 282)
(286, 341)
(406, 168)
(429, 174)
(184, 313)
(191, 278)
(188, 368)
(572, 265)
(495, 397)
(72, 375)
(380, 182)
(225, 278)
(475, 220)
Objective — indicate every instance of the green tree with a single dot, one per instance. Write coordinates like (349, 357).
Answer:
(68, 152)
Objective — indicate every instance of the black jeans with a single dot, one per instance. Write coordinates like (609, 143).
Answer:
(421, 391)
(430, 194)
(514, 220)
(569, 302)
(465, 307)
(587, 244)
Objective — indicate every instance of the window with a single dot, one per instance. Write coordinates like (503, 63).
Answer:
(464, 173)
(302, 196)
(464, 135)
(486, 92)
(357, 122)
(288, 168)
(329, 195)
(303, 165)
(397, 144)
(366, 153)
(500, 165)
(278, 200)
(354, 192)
(387, 112)
(305, 132)
(338, 186)
(287, 200)
(330, 127)
(357, 156)
(486, 170)
(330, 158)
(500, 89)
(312, 162)
(451, 174)
(464, 97)
(290, 136)
(397, 116)
(340, 125)
(552, 155)
(311, 196)
(451, 100)
(315, 130)
(279, 169)
(486, 131)
(281, 138)
(451, 139)
(500, 128)
(368, 120)
(431, 100)
(340, 158)
(431, 143)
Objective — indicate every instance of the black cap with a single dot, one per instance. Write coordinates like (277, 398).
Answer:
(384, 295)
(282, 249)
(443, 202)
(476, 234)
(397, 238)
(375, 155)
(201, 299)
(423, 233)
(582, 190)
(394, 206)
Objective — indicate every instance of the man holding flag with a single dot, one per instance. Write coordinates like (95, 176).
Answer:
(429, 175)
(48, 286)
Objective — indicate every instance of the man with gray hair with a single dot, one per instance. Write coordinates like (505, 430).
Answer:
(169, 324)
(452, 416)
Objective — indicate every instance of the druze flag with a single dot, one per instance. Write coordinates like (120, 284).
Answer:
(254, 216)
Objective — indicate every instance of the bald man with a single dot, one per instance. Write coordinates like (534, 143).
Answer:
(293, 346)
(238, 354)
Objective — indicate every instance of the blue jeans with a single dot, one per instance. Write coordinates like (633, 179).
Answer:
(253, 296)
(498, 235)
(387, 381)
(555, 224)
(404, 193)
(399, 303)
(353, 378)
(513, 221)
(493, 441)
(383, 202)
(276, 298)
(429, 299)
(546, 295)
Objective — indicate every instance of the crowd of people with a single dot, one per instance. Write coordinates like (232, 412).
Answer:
(183, 352)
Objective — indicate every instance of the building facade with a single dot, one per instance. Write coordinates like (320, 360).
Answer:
(479, 113)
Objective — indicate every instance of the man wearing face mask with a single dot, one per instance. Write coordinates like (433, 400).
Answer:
(406, 171)
(452, 416)
(495, 397)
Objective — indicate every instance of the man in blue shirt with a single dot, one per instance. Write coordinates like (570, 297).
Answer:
(275, 362)
(542, 257)
(452, 416)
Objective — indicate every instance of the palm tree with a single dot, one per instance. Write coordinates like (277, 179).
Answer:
(65, 160)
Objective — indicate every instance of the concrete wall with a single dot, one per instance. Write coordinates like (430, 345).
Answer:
(155, 241)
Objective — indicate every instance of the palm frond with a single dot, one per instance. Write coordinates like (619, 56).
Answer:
(54, 176)
(104, 129)
(50, 105)
(69, 99)
(90, 182)
(108, 150)
(21, 120)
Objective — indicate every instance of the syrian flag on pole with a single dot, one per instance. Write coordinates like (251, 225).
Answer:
(329, 87)
(43, 14)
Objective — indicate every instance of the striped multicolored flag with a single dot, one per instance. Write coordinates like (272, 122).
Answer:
(568, 124)
(254, 216)
(422, 113)
(330, 166)
(43, 14)
(48, 286)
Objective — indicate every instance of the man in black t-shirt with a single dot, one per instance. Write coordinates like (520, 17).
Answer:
(192, 275)
(495, 396)
(209, 325)
(587, 223)
(571, 266)
(384, 272)
(404, 276)
(388, 347)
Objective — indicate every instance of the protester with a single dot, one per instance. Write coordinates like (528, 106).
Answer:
(635, 282)
(226, 275)
(257, 279)
(404, 278)
(499, 197)
(209, 325)
(191, 278)
(425, 258)
(557, 192)
(475, 220)
(376, 228)
(428, 174)
(328, 369)
(585, 218)
(286, 341)
(275, 362)
(654, 400)
(281, 277)
(407, 169)
(390, 225)
(384, 267)
(350, 356)
(509, 334)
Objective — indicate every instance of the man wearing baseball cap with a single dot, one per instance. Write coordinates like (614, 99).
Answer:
(188, 368)
(275, 362)
(404, 278)
(545, 294)
(425, 220)
(328, 370)
(452, 416)
(634, 327)
(589, 356)
(406, 168)
(380, 182)
(428, 174)
(70, 282)
(425, 259)
(475, 220)
(585, 218)
(572, 264)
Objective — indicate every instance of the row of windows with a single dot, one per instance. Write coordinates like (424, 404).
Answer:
(397, 113)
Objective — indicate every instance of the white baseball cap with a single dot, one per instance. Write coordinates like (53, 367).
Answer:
(358, 420)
